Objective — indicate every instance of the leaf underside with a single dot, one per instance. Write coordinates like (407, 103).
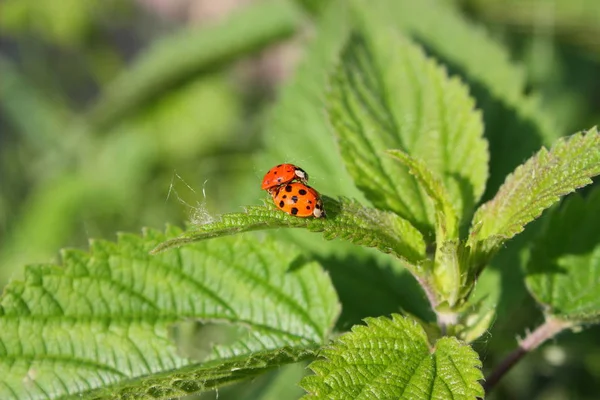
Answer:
(197, 378)
(563, 271)
(387, 94)
(102, 319)
(346, 219)
(535, 186)
(391, 359)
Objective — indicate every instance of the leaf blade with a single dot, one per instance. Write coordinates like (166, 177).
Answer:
(103, 318)
(386, 94)
(446, 219)
(346, 219)
(535, 186)
(516, 125)
(391, 358)
(193, 379)
(563, 270)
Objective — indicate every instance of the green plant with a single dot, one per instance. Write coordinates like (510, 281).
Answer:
(409, 163)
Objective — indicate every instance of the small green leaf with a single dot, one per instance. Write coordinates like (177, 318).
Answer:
(392, 359)
(474, 321)
(102, 320)
(345, 219)
(446, 267)
(563, 271)
(535, 186)
(387, 94)
(192, 51)
(445, 216)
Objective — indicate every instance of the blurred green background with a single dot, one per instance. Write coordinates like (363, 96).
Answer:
(120, 114)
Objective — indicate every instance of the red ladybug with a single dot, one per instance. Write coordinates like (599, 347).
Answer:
(282, 174)
(299, 200)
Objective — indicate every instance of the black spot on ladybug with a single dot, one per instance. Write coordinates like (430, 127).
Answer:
(285, 196)
(302, 192)
(294, 199)
(279, 179)
(308, 207)
(288, 188)
(275, 172)
(294, 211)
(281, 203)
(310, 202)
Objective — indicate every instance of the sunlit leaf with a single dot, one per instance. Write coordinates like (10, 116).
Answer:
(515, 123)
(387, 94)
(101, 320)
(346, 219)
(392, 359)
(535, 186)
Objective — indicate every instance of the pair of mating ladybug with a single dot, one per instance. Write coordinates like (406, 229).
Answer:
(288, 185)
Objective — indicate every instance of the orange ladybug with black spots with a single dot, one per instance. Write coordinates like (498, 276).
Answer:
(298, 199)
(281, 175)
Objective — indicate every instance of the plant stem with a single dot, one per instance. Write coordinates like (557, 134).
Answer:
(428, 289)
(546, 331)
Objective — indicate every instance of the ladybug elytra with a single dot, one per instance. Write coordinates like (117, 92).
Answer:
(299, 200)
(281, 175)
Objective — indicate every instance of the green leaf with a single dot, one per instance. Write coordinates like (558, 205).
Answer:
(387, 94)
(515, 123)
(535, 186)
(563, 271)
(392, 359)
(194, 378)
(193, 51)
(102, 320)
(473, 321)
(445, 216)
(446, 266)
(125, 158)
(346, 219)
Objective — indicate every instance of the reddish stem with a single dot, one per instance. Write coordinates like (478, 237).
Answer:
(546, 331)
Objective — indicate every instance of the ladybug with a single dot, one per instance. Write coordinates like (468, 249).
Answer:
(282, 174)
(298, 199)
